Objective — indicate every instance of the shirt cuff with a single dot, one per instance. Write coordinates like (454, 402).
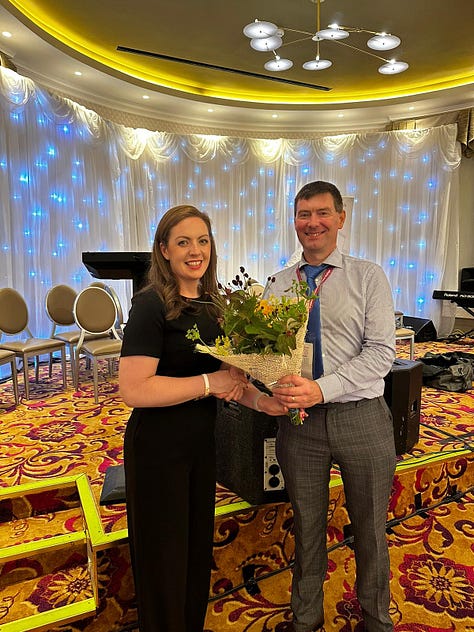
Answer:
(331, 387)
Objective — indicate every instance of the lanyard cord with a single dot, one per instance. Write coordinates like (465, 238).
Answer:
(315, 294)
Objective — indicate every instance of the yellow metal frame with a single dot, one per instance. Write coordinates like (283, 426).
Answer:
(92, 535)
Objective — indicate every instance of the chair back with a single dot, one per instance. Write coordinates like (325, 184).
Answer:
(114, 295)
(95, 311)
(13, 312)
(59, 304)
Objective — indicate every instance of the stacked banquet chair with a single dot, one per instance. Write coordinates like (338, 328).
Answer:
(59, 304)
(14, 323)
(95, 313)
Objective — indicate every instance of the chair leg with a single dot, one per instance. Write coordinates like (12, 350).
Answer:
(15, 381)
(25, 377)
(96, 380)
(76, 369)
(71, 362)
(50, 365)
(63, 364)
(37, 359)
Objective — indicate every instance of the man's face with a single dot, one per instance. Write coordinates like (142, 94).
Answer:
(317, 223)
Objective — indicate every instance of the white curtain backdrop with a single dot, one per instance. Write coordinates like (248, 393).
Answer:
(71, 182)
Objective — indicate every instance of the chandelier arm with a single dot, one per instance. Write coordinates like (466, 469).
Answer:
(360, 50)
(303, 39)
(359, 29)
(285, 28)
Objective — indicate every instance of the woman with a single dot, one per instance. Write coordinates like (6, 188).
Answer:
(169, 449)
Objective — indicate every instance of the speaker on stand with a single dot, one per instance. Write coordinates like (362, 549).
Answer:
(424, 329)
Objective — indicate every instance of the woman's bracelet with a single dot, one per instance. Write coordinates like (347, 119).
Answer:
(257, 399)
(206, 385)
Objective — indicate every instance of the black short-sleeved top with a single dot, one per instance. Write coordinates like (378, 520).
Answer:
(148, 333)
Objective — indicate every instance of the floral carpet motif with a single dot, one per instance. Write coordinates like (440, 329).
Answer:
(431, 524)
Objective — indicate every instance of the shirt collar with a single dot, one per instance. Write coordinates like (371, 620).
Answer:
(334, 260)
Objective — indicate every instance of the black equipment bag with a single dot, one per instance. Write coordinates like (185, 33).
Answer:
(452, 371)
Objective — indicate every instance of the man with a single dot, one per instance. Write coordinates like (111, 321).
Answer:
(348, 420)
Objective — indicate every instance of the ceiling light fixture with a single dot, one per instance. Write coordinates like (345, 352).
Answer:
(268, 37)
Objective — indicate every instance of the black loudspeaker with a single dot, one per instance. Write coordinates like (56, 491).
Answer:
(423, 328)
(466, 280)
(403, 397)
(245, 452)
(245, 439)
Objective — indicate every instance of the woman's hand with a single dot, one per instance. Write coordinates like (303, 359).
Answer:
(271, 406)
(228, 384)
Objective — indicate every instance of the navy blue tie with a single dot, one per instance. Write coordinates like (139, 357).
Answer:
(313, 333)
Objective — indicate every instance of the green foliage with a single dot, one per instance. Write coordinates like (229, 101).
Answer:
(252, 324)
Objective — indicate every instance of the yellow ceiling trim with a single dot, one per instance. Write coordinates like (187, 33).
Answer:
(139, 72)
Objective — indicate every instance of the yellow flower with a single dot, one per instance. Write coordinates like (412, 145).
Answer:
(265, 307)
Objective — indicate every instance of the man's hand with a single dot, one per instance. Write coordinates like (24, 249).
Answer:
(294, 391)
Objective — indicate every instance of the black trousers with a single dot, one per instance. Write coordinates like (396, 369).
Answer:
(170, 487)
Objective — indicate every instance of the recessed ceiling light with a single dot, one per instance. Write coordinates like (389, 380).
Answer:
(78, 73)
(210, 110)
(145, 96)
(6, 34)
(412, 107)
(274, 115)
(340, 115)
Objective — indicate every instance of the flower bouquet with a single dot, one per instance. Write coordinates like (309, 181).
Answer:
(262, 336)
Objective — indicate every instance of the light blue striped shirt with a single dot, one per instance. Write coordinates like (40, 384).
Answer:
(357, 326)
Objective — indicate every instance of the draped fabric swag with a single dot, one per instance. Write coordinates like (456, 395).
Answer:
(71, 181)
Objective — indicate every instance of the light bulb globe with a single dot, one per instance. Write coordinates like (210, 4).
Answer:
(260, 29)
(266, 44)
(277, 65)
(393, 68)
(384, 41)
(332, 34)
(317, 64)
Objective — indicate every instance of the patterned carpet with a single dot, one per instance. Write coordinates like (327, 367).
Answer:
(59, 434)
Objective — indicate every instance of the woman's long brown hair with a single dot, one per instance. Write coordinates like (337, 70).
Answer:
(160, 275)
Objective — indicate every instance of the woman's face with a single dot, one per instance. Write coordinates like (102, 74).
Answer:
(188, 250)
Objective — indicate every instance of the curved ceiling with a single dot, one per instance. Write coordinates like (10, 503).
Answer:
(436, 39)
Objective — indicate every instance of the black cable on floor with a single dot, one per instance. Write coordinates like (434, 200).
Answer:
(468, 445)
(251, 582)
